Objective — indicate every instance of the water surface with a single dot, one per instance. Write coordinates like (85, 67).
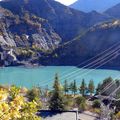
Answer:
(43, 76)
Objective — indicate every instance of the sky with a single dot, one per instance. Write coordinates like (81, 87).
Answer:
(66, 2)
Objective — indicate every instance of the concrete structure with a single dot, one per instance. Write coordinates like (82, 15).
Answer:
(67, 115)
(55, 115)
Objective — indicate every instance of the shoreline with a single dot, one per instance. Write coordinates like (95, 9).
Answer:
(30, 66)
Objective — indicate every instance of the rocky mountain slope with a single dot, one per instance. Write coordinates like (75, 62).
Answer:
(67, 22)
(49, 33)
(31, 29)
(26, 30)
(114, 11)
(97, 5)
(96, 40)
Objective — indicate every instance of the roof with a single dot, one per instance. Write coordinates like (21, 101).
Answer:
(56, 115)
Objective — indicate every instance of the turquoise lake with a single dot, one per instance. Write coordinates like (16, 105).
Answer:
(43, 76)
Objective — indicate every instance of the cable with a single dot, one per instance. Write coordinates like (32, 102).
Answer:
(107, 50)
(99, 58)
(100, 65)
(109, 85)
(92, 65)
(87, 66)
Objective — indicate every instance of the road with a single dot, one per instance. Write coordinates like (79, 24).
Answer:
(87, 116)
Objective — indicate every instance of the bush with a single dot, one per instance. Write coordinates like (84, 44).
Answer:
(97, 111)
(33, 94)
(82, 106)
(118, 115)
(96, 104)
(80, 103)
(17, 108)
(80, 100)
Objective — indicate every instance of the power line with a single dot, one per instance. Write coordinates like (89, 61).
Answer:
(107, 50)
(99, 58)
(100, 65)
(112, 55)
(87, 66)
(109, 85)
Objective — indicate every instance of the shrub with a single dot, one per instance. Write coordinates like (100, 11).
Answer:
(118, 115)
(96, 104)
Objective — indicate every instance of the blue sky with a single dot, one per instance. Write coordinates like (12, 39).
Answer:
(66, 2)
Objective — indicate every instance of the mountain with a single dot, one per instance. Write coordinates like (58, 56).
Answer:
(96, 40)
(67, 22)
(32, 29)
(114, 11)
(97, 5)
(26, 30)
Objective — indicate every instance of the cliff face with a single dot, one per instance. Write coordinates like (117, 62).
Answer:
(25, 33)
(26, 30)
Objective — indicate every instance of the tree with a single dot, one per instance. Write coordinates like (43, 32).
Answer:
(71, 87)
(83, 88)
(98, 89)
(101, 86)
(57, 101)
(91, 87)
(106, 82)
(74, 87)
(66, 87)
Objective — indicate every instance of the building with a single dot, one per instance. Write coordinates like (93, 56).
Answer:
(56, 115)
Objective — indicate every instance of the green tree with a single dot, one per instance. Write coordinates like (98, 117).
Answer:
(66, 87)
(57, 101)
(98, 89)
(71, 87)
(106, 82)
(83, 88)
(91, 87)
(74, 87)
(101, 86)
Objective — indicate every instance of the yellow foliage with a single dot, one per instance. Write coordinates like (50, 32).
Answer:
(118, 115)
(17, 108)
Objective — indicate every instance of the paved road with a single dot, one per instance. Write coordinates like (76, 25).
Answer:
(87, 116)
